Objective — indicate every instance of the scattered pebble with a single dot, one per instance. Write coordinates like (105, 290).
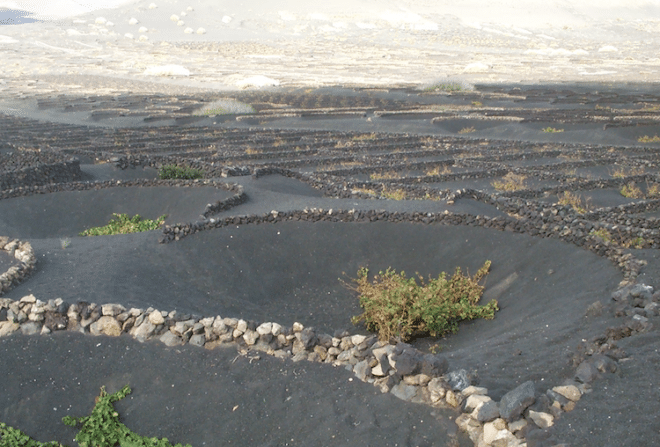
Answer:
(143, 29)
(188, 31)
(128, 35)
(100, 21)
(133, 21)
(226, 19)
(201, 31)
(180, 23)
(174, 18)
(189, 8)
(143, 38)
(153, 6)
(109, 24)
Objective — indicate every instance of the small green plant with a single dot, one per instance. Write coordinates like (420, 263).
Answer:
(179, 172)
(602, 233)
(632, 191)
(552, 130)
(510, 182)
(11, 437)
(637, 243)
(627, 171)
(652, 190)
(101, 428)
(467, 130)
(575, 201)
(448, 86)
(396, 306)
(477, 103)
(65, 242)
(647, 139)
(122, 224)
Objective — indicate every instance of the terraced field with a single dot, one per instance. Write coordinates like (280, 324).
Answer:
(557, 185)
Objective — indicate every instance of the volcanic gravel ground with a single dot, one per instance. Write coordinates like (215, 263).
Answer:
(290, 271)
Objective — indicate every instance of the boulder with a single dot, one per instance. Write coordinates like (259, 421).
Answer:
(105, 325)
(517, 400)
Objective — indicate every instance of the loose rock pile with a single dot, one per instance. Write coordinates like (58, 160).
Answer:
(24, 254)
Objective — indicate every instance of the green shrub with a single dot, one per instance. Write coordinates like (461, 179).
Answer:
(11, 437)
(179, 172)
(396, 306)
(100, 429)
(122, 224)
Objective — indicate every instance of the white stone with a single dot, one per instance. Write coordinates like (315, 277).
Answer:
(7, 327)
(73, 32)
(174, 18)
(570, 392)
(189, 8)
(608, 49)
(153, 6)
(188, 30)
(201, 31)
(277, 329)
(28, 299)
(242, 325)
(474, 390)
(297, 327)
(109, 24)
(357, 339)
(265, 328)
(180, 23)
(100, 21)
(105, 325)
(226, 19)
(543, 420)
(156, 318)
(475, 401)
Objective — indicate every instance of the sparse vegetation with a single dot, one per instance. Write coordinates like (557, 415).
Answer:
(65, 242)
(447, 86)
(602, 233)
(101, 428)
(552, 130)
(647, 139)
(652, 190)
(632, 191)
(467, 130)
(252, 151)
(179, 172)
(364, 137)
(510, 182)
(384, 175)
(439, 170)
(122, 224)
(477, 103)
(627, 171)
(575, 201)
(397, 306)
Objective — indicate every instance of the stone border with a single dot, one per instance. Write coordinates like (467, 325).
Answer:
(393, 367)
(66, 171)
(16, 274)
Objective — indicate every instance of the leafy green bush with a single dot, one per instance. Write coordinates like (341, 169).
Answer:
(100, 429)
(179, 172)
(11, 437)
(396, 306)
(122, 224)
